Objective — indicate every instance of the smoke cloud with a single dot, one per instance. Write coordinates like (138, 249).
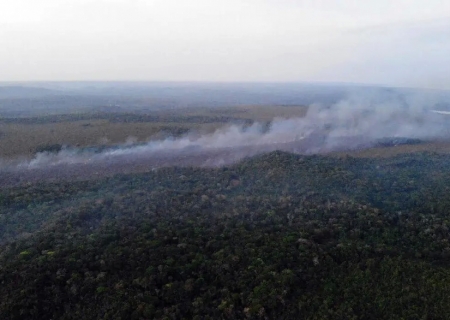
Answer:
(354, 123)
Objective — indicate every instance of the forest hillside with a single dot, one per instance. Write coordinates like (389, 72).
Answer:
(278, 236)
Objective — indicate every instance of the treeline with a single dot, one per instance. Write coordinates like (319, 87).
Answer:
(126, 117)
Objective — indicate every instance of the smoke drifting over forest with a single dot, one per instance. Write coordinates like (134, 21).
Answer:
(354, 123)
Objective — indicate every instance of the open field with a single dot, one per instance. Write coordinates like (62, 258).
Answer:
(24, 139)
(22, 136)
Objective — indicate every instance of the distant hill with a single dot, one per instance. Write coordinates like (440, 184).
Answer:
(26, 92)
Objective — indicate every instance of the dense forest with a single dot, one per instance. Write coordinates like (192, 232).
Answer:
(277, 236)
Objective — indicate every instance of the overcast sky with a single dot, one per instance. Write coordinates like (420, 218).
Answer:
(393, 42)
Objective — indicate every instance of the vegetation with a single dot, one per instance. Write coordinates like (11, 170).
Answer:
(21, 136)
(279, 236)
(51, 148)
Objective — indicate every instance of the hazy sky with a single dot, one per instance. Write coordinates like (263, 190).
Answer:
(394, 42)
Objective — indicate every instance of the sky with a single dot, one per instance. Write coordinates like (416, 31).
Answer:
(389, 42)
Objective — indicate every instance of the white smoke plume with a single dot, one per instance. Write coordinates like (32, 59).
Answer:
(353, 123)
